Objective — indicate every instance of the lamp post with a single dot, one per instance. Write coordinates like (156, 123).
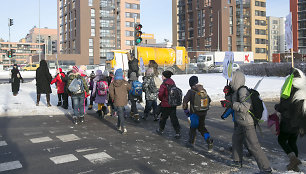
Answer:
(39, 54)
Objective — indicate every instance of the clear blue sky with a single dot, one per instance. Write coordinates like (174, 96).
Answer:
(155, 16)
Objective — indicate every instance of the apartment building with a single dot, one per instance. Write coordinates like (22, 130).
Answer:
(298, 10)
(89, 29)
(276, 36)
(220, 25)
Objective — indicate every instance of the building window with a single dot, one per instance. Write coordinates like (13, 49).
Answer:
(92, 21)
(229, 42)
(90, 43)
(229, 1)
(93, 32)
(91, 52)
(260, 50)
(90, 2)
(92, 11)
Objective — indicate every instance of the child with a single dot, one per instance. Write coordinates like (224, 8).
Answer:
(134, 95)
(60, 85)
(199, 105)
(110, 104)
(151, 91)
(100, 93)
(166, 109)
(91, 83)
(118, 91)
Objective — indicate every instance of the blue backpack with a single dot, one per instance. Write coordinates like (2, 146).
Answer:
(136, 88)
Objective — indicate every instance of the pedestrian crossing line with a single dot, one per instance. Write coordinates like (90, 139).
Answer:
(98, 158)
(63, 159)
(40, 139)
(10, 166)
(85, 150)
(127, 171)
(3, 143)
(67, 138)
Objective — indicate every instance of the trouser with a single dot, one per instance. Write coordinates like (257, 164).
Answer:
(150, 104)
(134, 105)
(65, 99)
(91, 99)
(166, 112)
(60, 97)
(47, 98)
(78, 105)
(248, 134)
(288, 142)
(202, 129)
(120, 111)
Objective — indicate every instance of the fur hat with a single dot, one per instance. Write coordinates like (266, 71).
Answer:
(193, 80)
(119, 74)
(75, 69)
(167, 74)
(133, 76)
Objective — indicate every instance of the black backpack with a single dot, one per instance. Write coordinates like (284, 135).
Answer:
(257, 105)
(175, 95)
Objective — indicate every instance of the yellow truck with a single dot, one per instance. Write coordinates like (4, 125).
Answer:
(173, 59)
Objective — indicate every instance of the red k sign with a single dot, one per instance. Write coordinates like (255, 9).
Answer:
(246, 58)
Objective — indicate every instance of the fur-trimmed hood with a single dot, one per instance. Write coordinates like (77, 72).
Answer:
(299, 82)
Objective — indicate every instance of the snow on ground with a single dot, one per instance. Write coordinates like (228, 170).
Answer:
(24, 102)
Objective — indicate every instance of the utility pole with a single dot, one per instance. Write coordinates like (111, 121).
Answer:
(10, 23)
(39, 54)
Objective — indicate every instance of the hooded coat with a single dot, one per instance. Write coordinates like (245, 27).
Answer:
(43, 79)
(99, 98)
(293, 109)
(163, 92)
(149, 86)
(118, 91)
(78, 75)
(241, 105)
(15, 79)
(59, 82)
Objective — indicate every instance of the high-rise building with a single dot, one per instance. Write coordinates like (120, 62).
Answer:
(298, 10)
(89, 29)
(276, 35)
(216, 26)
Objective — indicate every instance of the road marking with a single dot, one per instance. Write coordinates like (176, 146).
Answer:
(10, 166)
(85, 150)
(100, 158)
(3, 143)
(32, 133)
(63, 159)
(127, 171)
(40, 140)
(67, 138)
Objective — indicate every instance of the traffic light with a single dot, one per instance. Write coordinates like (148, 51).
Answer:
(138, 34)
(11, 22)
(9, 54)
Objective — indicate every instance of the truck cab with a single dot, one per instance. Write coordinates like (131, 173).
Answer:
(205, 62)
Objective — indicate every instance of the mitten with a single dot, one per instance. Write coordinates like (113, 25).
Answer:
(226, 103)
(227, 89)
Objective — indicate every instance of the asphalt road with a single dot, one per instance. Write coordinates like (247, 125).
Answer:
(52, 144)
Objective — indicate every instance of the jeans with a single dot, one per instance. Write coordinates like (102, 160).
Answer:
(78, 105)
(166, 112)
(120, 112)
(149, 105)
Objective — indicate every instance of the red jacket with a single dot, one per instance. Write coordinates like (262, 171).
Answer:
(59, 83)
(163, 92)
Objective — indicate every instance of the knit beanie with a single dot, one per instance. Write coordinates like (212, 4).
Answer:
(119, 74)
(133, 76)
(167, 74)
(75, 69)
(193, 80)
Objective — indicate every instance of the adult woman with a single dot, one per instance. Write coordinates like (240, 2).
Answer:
(43, 80)
(15, 79)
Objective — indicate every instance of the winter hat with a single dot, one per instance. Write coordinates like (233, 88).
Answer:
(98, 72)
(133, 76)
(15, 64)
(75, 69)
(92, 75)
(167, 74)
(119, 74)
(149, 71)
(193, 80)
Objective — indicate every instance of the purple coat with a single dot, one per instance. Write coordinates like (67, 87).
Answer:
(99, 99)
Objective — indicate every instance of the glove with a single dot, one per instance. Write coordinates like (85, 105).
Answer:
(227, 89)
(226, 103)
(187, 112)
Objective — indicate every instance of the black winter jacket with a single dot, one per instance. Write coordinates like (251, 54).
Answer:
(43, 79)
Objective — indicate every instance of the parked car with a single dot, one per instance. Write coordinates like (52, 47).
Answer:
(220, 68)
(31, 67)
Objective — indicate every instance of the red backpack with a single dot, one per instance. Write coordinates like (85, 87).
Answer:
(102, 88)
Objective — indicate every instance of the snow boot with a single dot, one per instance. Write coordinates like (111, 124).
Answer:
(177, 135)
(104, 111)
(294, 161)
(136, 118)
(82, 119)
(159, 131)
(75, 120)
(38, 99)
(90, 107)
(59, 103)
(99, 113)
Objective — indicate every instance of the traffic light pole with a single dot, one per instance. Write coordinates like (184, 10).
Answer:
(135, 47)
(9, 25)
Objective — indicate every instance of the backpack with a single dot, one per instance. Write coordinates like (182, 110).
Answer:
(257, 108)
(136, 88)
(102, 88)
(200, 101)
(76, 86)
(174, 95)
